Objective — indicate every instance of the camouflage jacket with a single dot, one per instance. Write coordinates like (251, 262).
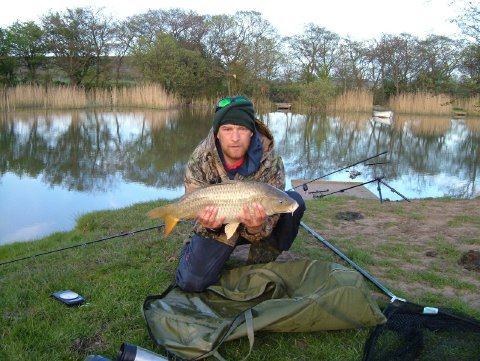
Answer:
(205, 167)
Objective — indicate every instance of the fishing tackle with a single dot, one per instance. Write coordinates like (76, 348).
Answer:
(305, 187)
(122, 234)
(340, 190)
(350, 262)
(377, 179)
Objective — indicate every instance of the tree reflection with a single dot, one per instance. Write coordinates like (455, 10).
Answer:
(90, 151)
(87, 151)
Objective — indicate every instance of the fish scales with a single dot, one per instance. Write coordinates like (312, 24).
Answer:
(230, 198)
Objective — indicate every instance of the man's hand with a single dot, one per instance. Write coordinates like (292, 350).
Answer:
(253, 221)
(208, 218)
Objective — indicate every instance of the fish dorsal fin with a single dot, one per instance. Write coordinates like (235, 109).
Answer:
(230, 229)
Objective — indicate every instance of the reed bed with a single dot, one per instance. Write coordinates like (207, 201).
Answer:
(357, 100)
(421, 103)
(67, 97)
(262, 104)
(470, 105)
(155, 97)
(148, 96)
(203, 103)
(36, 96)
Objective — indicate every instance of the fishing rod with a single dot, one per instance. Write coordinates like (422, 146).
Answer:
(323, 194)
(122, 234)
(350, 262)
(305, 187)
(377, 179)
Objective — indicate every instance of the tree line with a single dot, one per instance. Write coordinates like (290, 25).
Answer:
(194, 55)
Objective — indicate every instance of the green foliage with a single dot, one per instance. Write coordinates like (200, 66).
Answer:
(28, 45)
(179, 70)
(318, 94)
(8, 64)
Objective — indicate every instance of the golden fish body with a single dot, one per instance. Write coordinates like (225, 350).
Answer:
(229, 197)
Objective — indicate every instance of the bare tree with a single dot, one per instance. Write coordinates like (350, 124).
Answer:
(397, 53)
(315, 51)
(438, 59)
(352, 64)
(469, 21)
(245, 48)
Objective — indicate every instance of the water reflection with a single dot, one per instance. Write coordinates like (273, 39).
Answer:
(55, 166)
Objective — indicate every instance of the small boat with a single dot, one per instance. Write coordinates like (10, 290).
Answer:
(383, 113)
(459, 114)
(283, 106)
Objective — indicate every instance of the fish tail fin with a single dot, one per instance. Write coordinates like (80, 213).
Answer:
(165, 213)
(160, 212)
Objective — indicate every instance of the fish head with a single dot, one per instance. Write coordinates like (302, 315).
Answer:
(279, 202)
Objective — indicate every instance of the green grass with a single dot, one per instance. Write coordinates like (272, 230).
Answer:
(116, 275)
(464, 219)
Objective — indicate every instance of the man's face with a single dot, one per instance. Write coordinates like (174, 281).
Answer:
(234, 141)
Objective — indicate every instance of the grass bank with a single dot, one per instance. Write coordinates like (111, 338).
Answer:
(116, 275)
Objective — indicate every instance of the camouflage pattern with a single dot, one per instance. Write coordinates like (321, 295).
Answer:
(205, 167)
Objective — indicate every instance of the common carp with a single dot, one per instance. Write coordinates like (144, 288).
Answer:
(229, 197)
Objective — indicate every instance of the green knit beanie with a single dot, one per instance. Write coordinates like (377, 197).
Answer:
(240, 111)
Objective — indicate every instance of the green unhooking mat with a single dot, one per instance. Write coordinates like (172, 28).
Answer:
(293, 296)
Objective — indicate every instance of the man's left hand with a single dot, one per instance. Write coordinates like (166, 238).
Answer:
(255, 220)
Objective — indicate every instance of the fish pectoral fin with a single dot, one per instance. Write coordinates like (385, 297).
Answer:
(170, 223)
(230, 229)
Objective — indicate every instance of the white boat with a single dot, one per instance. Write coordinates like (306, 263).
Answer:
(383, 113)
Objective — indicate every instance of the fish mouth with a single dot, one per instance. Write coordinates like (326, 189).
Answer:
(294, 207)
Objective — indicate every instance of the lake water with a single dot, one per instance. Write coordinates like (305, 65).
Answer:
(56, 166)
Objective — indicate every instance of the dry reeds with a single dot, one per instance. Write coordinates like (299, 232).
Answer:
(356, 100)
(470, 105)
(421, 103)
(67, 97)
(35, 96)
(441, 104)
(262, 104)
(145, 96)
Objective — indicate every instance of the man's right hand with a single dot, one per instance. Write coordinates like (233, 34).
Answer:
(208, 218)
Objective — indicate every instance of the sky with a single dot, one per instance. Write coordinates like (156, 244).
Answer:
(358, 20)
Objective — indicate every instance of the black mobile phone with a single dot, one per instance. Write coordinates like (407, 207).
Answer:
(68, 297)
